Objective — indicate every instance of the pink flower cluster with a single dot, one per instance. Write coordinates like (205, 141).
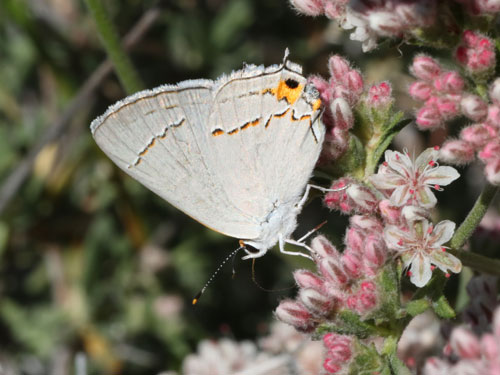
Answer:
(402, 201)
(468, 353)
(371, 19)
(344, 280)
(441, 92)
(338, 352)
(476, 52)
(481, 7)
(482, 137)
(339, 94)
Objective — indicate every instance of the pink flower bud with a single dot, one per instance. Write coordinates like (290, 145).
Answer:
(457, 151)
(429, 118)
(494, 115)
(470, 38)
(490, 347)
(495, 91)
(324, 248)
(307, 279)
(330, 366)
(477, 135)
(449, 82)
(352, 263)
(308, 7)
(389, 212)
(363, 197)
(375, 250)
(342, 113)
(474, 107)
(366, 301)
(492, 171)
(315, 301)
(447, 108)
(420, 90)
(367, 223)
(339, 199)
(338, 347)
(322, 86)
(380, 95)
(334, 10)
(490, 151)
(338, 67)
(295, 314)
(465, 343)
(354, 82)
(333, 272)
(425, 68)
(354, 239)
(368, 286)
(476, 53)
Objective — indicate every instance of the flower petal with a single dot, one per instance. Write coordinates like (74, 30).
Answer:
(425, 157)
(387, 180)
(400, 195)
(441, 176)
(445, 261)
(425, 197)
(395, 237)
(399, 162)
(420, 270)
(442, 233)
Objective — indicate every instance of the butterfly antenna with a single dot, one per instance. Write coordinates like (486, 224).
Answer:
(261, 287)
(232, 254)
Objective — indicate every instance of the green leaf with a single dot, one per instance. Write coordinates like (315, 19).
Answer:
(346, 323)
(443, 308)
(367, 361)
(418, 306)
(397, 366)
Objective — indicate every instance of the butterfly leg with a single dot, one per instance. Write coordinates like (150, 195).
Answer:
(250, 254)
(320, 188)
(282, 242)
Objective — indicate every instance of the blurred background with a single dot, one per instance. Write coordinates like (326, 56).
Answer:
(96, 269)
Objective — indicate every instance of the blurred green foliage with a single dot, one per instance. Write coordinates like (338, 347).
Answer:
(92, 262)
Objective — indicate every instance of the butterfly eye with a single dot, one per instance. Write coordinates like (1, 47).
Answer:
(291, 83)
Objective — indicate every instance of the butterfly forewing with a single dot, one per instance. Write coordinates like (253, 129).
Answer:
(159, 138)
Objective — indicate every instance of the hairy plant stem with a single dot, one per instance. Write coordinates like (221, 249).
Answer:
(475, 215)
(125, 70)
(478, 262)
(465, 230)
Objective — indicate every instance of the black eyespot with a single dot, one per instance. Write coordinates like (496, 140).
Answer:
(291, 83)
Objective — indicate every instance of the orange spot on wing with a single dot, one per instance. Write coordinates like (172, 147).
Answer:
(317, 105)
(283, 91)
(217, 132)
(255, 122)
(234, 131)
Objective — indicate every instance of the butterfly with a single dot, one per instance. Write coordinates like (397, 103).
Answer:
(234, 154)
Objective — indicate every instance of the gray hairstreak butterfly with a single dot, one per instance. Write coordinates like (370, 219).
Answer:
(235, 154)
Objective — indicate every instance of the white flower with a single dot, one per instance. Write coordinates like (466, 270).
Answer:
(411, 181)
(362, 32)
(421, 246)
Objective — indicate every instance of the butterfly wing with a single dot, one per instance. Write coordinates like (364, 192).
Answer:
(160, 138)
(266, 137)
